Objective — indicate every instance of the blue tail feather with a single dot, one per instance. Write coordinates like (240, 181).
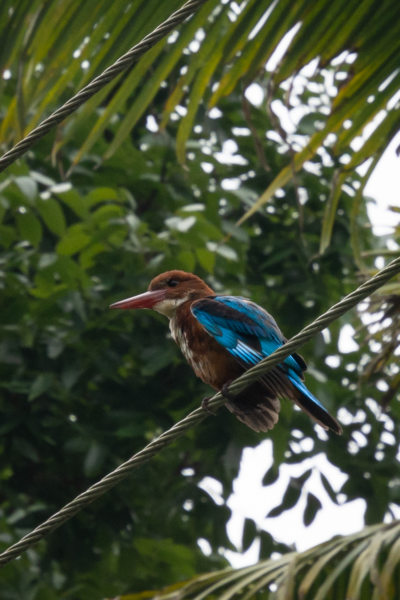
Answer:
(308, 402)
(297, 382)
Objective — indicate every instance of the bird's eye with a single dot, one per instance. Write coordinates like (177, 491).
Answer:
(172, 283)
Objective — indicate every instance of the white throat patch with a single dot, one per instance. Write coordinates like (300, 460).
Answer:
(168, 307)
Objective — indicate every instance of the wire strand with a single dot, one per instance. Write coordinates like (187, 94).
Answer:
(166, 438)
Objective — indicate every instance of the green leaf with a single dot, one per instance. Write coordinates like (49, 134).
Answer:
(213, 47)
(74, 240)
(75, 202)
(330, 211)
(309, 123)
(181, 224)
(226, 251)
(313, 505)
(328, 488)
(87, 256)
(28, 186)
(102, 194)
(186, 260)
(249, 534)
(292, 494)
(270, 476)
(104, 215)
(93, 459)
(206, 259)
(26, 449)
(52, 214)
(40, 385)
(8, 235)
(29, 227)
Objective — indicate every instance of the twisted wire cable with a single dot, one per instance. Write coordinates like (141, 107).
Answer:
(100, 81)
(166, 438)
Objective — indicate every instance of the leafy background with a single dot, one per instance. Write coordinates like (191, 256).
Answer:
(155, 173)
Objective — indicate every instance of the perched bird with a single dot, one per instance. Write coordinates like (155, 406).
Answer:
(223, 336)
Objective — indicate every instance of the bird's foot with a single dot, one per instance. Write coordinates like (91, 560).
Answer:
(225, 391)
(205, 405)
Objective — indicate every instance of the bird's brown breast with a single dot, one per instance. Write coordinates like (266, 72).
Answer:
(209, 360)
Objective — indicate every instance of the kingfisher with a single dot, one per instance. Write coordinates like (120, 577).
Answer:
(223, 336)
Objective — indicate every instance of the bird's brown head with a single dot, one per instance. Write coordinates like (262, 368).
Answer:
(167, 292)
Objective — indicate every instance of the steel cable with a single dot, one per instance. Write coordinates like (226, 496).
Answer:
(110, 480)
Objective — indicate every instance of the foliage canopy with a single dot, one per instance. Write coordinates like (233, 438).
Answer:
(155, 173)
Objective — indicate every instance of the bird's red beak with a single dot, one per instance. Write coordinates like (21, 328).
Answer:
(146, 300)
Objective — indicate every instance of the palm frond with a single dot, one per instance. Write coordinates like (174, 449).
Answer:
(359, 566)
(50, 49)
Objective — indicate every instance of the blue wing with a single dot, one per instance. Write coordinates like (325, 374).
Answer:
(250, 334)
(245, 329)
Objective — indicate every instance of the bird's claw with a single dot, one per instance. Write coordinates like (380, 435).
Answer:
(226, 393)
(205, 406)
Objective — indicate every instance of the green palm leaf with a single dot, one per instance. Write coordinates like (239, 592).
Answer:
(53, 48)
(360, 566)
